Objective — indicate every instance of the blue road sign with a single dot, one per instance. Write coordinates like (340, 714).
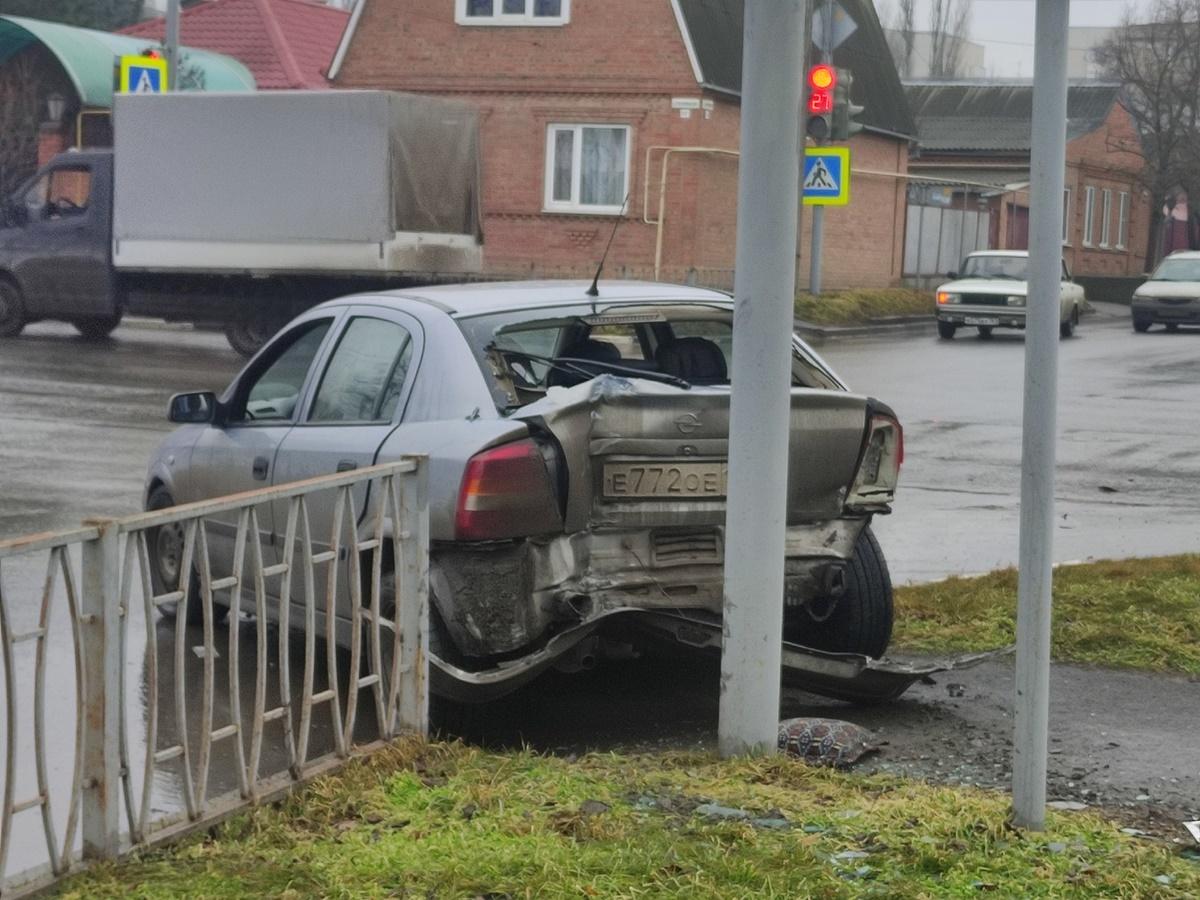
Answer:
(826, 176)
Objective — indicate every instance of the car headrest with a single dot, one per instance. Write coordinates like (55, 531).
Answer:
(589, 349)
(694, 359)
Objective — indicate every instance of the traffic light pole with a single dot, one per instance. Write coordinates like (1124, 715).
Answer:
(818, 215)
(171, 43)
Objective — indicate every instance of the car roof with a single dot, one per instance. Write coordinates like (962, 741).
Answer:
(499, 296)
(1021, 253)
(1184, 254)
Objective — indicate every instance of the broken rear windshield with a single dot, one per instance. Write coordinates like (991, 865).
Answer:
(523, 354)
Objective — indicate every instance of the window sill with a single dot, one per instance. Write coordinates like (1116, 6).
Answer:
(512, 21)
(605, 211)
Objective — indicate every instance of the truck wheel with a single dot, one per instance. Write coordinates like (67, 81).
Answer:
(247, 333)
(97, 328)
(165, 546)
(946, 330)
(859, 621)
(12, 310)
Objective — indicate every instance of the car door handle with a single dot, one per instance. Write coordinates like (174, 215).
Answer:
(347, 465)
(259, 469)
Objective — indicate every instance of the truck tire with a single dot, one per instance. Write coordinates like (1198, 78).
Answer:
(860, 620)
(96, 328)
(12, 310)
(248, 332)
(165, 547)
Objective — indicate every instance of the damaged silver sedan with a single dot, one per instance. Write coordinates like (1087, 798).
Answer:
(578, 465)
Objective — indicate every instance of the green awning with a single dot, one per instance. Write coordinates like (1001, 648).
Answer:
(88, 56)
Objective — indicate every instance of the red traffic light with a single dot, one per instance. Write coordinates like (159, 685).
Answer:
(151, 54)
(822, 78)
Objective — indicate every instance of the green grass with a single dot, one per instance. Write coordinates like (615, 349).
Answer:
(1135, 613)
(443, 820)
(857, 307)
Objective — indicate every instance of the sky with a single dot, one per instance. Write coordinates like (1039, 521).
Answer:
(1005, 28)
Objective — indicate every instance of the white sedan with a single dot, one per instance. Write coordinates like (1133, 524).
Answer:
(990, 292)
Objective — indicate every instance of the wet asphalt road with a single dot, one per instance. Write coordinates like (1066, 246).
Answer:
(78, 421)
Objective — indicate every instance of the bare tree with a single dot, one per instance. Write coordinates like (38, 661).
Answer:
(1158, 62)
(19, 115)
(949, 21)
(903, 37)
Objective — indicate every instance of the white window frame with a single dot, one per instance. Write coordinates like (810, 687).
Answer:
(1122, 219)
(1089, 214)
(1106, 222)
(573, 205)
(500, 18)
(1066, 228)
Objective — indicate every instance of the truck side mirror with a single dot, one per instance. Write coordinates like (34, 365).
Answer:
(193, 408)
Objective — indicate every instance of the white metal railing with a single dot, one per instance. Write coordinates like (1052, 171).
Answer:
(333, 584)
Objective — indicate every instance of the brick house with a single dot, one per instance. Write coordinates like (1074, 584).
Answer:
(586, 104)
(973, 161)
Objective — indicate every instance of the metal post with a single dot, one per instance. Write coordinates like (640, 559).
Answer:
(755, 521)
(171, 44)
(962, 229)
(101, 623)
(814, 253)
(818, 216)
(920, 238)
(1048, 165)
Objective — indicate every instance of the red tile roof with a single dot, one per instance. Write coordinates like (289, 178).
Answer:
(284, 43)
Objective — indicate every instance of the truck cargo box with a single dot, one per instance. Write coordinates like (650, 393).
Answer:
(362, 182)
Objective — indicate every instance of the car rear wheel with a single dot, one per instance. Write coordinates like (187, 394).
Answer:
(985, 332)
(12, 310)
(1171, 326)
(165, 545)
(946, 330)
(860, 620)
(97, 328)
(1141, 325)
(1067, 328)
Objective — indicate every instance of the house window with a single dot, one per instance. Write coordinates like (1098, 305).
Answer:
(587, 168)
(1066, 225)
(1089, 214)
(512, 12)
(1122, 219)
(1106, 209)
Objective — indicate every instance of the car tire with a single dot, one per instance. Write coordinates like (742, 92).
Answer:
(946, 330)
(1141, 325)
(97, 328)
(165, 549)
(12, 310)
(860, 620)
(1172, 327)
(1067, 328)
(985, 332)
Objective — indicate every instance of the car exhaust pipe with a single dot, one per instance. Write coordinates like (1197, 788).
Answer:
(580, 658)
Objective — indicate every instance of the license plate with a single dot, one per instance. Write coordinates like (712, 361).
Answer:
(685, 480)
(981, 320)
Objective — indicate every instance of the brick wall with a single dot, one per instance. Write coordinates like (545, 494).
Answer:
(621, 62)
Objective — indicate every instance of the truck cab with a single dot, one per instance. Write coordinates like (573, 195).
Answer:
(56, 247)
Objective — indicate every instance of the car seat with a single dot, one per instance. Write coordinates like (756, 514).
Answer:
(696, 360)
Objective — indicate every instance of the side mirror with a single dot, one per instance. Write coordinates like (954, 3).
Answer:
(951, 275)
(194, 408)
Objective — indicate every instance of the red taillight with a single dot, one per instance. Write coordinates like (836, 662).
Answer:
(506, 493)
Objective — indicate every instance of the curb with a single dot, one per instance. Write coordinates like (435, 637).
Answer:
(893, 326)
(149, 324)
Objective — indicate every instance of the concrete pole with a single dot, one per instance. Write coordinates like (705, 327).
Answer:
(171, 44)
(1039, 431)
(760, 415)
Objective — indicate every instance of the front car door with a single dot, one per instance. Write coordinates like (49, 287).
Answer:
(61, 247)
(262, 407)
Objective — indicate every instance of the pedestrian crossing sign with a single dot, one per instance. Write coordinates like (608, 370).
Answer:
(826, 179)
(143, 75)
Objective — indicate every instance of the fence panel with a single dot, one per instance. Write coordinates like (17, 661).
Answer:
(180, 718)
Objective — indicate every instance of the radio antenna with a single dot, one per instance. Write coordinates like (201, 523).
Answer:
(594, 290)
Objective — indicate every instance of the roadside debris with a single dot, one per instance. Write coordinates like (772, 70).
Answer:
(1193, 829)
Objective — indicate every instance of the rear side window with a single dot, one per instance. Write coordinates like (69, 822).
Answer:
(365, 376)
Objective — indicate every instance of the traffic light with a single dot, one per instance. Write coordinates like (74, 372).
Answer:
(844, 111)
(822, 82)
